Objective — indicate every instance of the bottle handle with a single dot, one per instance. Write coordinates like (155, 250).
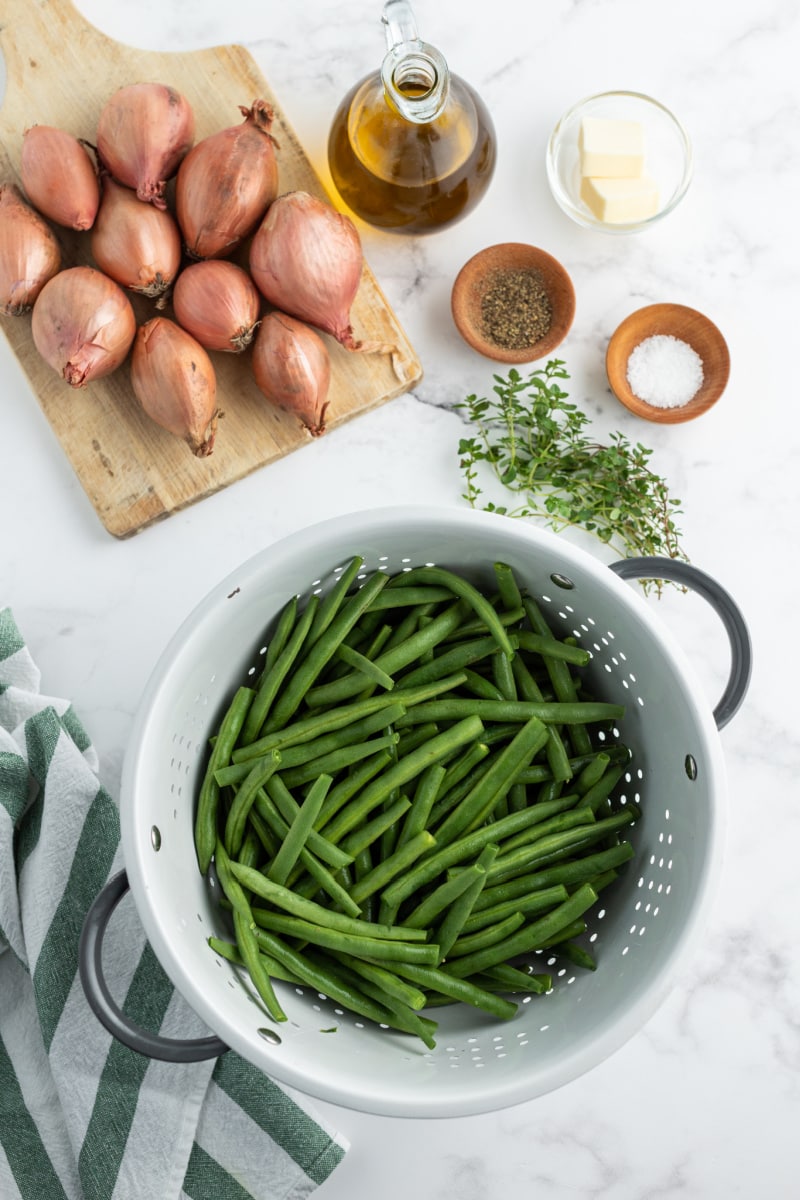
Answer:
(400, 23)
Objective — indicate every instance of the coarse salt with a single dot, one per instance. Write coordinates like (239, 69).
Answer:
(665, 371)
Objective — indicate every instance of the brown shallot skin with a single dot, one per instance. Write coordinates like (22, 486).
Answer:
(218, 303)
(144, 132)
(59, 177)
(29, 253)
(226, 184)
(306, 260)
(292, 368)
(136, 244)
(83, 325)
(174, 381)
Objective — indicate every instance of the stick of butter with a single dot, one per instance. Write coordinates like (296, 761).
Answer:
(611, 149)
(620, 201)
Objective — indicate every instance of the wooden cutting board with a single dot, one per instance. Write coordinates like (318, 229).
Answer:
(61, 71)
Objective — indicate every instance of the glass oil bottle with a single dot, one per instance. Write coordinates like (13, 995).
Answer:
(412, 147)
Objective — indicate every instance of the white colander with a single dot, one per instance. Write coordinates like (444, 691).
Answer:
(649, 917)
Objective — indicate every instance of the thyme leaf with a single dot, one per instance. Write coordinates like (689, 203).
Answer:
(537, 445)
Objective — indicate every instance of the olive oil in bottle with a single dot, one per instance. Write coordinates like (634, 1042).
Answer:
(412, 147)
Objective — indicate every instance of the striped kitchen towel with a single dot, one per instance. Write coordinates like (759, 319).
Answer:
(81, 1116)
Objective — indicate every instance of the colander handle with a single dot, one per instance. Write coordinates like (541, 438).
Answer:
(102, 1003)
(656, 567)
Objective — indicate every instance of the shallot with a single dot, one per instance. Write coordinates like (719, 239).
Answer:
(174, 381)
(292, 368)
(83, 325)
(144, 132)
(218, 303)
(226, 183)
(136, 244)
(29, 252)
(59, 177)
(306, 259)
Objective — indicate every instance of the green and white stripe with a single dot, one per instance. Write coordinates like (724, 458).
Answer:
(82, 1117)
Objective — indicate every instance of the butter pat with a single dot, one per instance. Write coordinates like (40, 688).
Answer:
(620, 201)
(611, 149)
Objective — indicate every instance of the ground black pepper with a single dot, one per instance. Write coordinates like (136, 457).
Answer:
(515, 308)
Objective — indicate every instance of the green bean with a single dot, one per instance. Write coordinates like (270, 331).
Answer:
(375, 948)
(529, 938)
(243, 923)
(600, 791)
(397, 597)
(271, 680)
(378, 642)
(280, 637)
(248, 947)
(592, 773)
(573, 930)
(461, 849)
(453, 923)
(307, 910)
(427, 789)
(481, 938)
(279, 808)
(321, 652)
(510, 595)
(231, 953)
(549, 849)
(564, 820)
(351, 785)
(518, 980)
(456, 659)
(439, 899)
(386, 870)
(549, 647)
(390, 984)
(379, 721)
(560, 677)
(478, 685)
(299, 831)
(309, 728)
(529, 905)
(338, 760)
(578, 955)
(332, 603)
(474, 628)
(465, 591)
(370, 831)
(322, 879)
(410, 739)
(458, 989)
(262, 770)
(575, 713)
(395, 776)
(399, 1014)
(479, 803)
(205, 829)
(448, 800)
(368, 669)
(322, 978)
(568, 873)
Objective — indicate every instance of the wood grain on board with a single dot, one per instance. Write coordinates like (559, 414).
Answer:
(60, 71)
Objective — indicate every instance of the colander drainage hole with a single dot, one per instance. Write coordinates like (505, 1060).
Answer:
(269, 1035)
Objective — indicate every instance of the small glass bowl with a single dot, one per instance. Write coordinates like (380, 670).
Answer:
(668, 156)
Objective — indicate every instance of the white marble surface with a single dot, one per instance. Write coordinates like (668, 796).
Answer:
(705, 1101)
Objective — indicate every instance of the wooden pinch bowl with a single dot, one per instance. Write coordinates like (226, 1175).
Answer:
(476, 277)
(688, 326)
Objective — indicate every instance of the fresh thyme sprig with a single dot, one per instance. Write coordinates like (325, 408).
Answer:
(535, 443)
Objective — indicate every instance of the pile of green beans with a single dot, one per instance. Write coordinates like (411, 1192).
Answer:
(410, 801)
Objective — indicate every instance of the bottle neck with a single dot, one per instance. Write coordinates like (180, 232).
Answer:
(415, 76)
